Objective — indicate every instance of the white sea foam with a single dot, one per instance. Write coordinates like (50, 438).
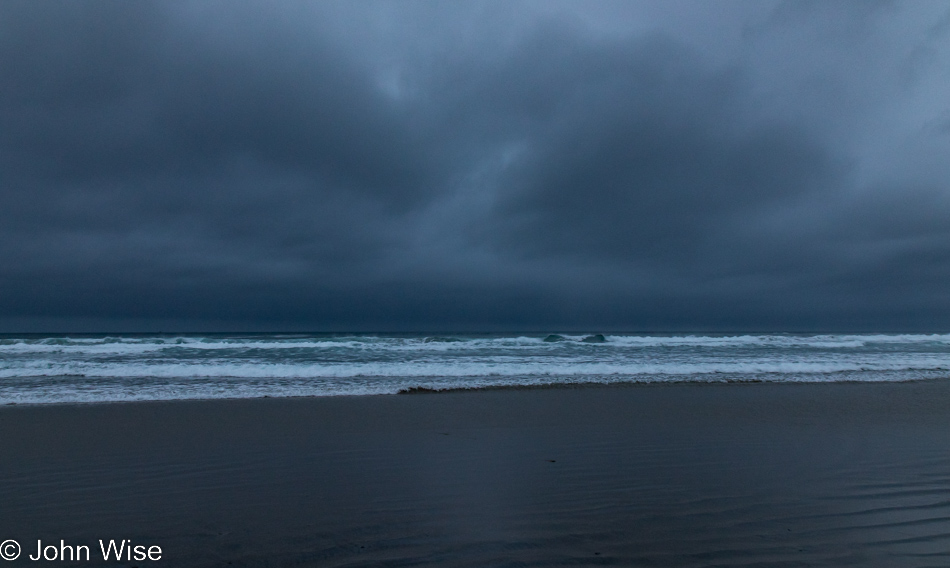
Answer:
(457, 369)
(64, 369)
(134, 345)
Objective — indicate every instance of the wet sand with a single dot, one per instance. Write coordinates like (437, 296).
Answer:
(664, 475)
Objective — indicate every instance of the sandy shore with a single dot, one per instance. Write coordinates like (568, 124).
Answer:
(687, 475)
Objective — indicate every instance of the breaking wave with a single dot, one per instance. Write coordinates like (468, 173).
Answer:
(114, 368)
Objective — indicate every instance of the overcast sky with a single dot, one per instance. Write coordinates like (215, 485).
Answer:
(474, 165)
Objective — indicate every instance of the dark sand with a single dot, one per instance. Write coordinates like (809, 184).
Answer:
(687, 475)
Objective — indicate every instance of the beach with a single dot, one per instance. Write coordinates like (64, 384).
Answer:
(653, 475)
(474, 283)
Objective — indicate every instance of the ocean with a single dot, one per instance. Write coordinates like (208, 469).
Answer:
(105, 368)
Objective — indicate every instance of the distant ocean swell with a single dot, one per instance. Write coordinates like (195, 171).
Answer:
(36, 370)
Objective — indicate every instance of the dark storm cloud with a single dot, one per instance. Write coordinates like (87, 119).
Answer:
(636, 166)
(477, 165)
(120, 90)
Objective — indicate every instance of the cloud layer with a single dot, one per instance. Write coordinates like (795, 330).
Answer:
(395, 166)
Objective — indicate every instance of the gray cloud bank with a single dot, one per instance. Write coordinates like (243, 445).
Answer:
(396, 166)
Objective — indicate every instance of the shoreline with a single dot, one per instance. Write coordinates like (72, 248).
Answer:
(414, 391)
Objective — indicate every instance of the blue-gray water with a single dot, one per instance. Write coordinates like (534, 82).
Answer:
(164, 367)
